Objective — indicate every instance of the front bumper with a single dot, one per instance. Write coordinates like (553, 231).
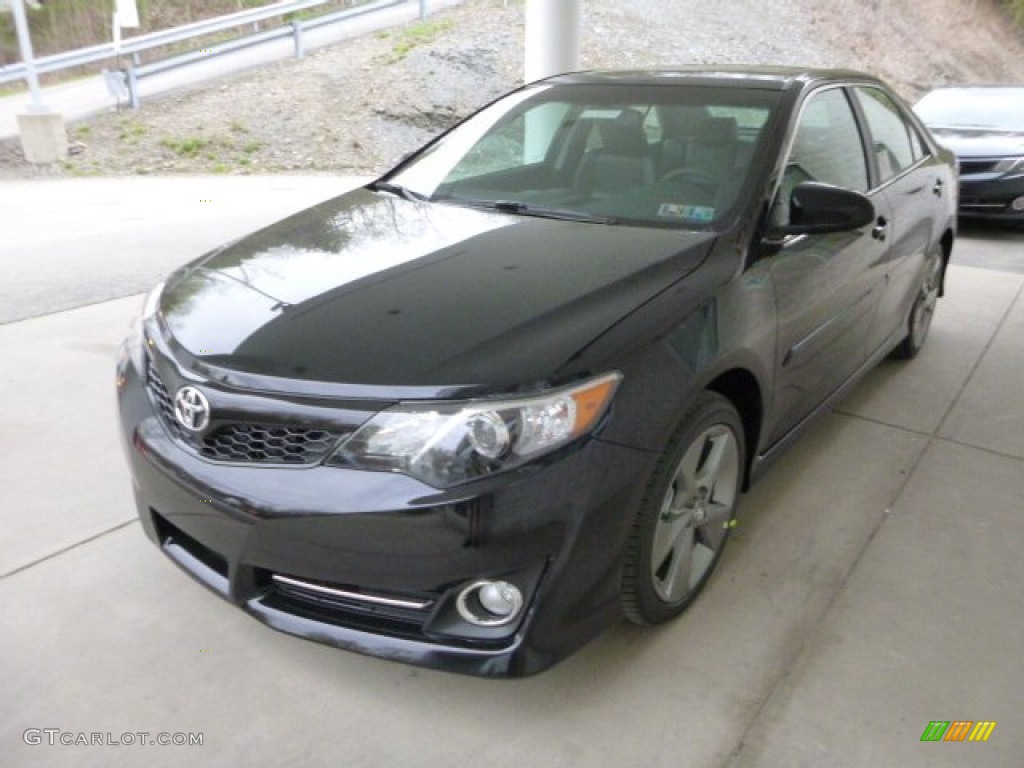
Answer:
(993, 196)
(373, 562)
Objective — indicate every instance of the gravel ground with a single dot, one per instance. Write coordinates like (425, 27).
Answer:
(357, 106)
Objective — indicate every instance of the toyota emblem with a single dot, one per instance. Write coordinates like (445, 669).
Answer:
(191, 409)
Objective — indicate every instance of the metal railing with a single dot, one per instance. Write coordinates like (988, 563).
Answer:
(133, 46)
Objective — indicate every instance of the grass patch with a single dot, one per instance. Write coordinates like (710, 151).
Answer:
(220, 153)
(78, 171)
(189, 147)
(416, 35)
(131, 131)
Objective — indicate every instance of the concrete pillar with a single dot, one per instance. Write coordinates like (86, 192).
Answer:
(43, 137)
(552, 47)
(552, 37)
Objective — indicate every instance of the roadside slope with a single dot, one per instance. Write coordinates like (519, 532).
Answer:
(357, 106)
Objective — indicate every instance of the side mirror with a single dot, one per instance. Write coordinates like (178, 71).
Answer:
(816, 209)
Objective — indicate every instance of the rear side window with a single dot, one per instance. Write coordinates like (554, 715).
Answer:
(890, 134)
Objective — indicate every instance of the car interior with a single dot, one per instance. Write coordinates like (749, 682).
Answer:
(646, 163)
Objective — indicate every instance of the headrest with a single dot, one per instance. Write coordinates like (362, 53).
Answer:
(717, 130)
(625, 134)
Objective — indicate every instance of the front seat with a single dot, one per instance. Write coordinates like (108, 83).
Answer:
(714, 147)
(622, 161)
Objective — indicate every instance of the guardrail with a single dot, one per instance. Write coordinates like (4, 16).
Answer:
(129, 76)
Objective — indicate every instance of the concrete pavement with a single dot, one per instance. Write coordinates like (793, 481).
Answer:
(78, 241)
(873, 586)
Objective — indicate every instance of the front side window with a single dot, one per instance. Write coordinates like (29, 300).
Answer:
(890, 134)
(826, 148)
(664, 155)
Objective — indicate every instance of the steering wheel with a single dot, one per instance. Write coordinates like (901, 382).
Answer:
(703, 181)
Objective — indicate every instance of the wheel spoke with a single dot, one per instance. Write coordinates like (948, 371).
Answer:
(715, 447)
(718, 514)
(665, 537)
(713, 534)
(673, 573)
(700, 560)
(686, 474)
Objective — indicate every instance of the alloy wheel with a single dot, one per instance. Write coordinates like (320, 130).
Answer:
(924, 307)
(695, 513)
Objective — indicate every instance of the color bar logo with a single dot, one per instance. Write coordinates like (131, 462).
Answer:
(958, 730)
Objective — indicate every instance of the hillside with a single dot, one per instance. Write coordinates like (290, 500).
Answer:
(357, 106)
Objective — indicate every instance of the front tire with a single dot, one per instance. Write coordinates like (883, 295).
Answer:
(686, 515)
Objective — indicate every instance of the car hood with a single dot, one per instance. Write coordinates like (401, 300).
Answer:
(978, 142)
(370, 289)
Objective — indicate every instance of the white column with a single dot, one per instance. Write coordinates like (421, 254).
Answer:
(552, 47)
(552, 37)
(27, 56)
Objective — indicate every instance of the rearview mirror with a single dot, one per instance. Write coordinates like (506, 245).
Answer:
(816, 209)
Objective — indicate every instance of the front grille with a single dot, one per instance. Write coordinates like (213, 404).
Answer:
(158, 393)
(977, 166)
(267, 442)
(244, 441)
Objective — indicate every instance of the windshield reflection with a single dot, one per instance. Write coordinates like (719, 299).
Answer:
(677, 155)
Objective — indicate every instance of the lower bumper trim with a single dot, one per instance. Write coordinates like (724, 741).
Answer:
(391, 602)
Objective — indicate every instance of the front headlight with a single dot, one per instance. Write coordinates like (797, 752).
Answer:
(444, 444)
(135, 342)
(1008, 164)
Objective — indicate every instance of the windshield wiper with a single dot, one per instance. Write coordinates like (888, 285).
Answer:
(525, 209)
(396, 189)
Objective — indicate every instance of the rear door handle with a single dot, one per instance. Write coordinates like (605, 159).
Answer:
(881, 227)
(937, 189)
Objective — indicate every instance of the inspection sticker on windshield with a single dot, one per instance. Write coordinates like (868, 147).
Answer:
(692, 212)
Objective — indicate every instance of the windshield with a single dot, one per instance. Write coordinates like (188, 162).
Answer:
(664, 155)
(997, 109)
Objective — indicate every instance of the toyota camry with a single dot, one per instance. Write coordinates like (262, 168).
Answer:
(511, 392)
(984, 127)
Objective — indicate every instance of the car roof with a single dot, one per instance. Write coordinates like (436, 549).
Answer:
(953, 90)
(979, 87)
(767, 77)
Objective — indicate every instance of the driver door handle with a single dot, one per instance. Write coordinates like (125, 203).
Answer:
(881, 227)
(937, 189)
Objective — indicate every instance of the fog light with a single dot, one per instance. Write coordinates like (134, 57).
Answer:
(490, 603)
(1018, 204)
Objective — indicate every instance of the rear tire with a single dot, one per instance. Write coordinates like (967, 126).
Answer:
(687, 513)
(920, 320)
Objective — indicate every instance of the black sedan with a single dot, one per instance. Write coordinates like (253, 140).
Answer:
(472, 414)
(984, 126)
